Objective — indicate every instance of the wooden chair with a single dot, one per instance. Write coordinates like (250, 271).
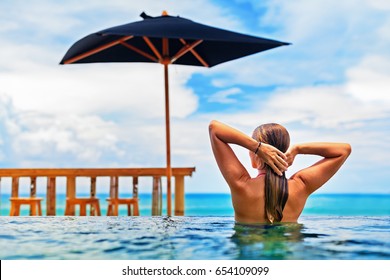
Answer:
(92, 202)
(113, 206)
(33, 202)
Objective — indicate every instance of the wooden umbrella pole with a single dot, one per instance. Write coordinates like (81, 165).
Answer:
(166, 61)
(168, 142)
(0, 196)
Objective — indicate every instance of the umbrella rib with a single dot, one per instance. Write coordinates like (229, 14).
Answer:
(139, 51)
(152, 47)
(96, 50)
(185, 49)
(198, 57)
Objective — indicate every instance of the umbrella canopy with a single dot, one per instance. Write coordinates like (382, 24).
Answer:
(190, 43)
(166, 40)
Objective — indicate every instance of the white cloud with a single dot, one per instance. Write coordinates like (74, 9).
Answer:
(62, 140)
(225, 96)
(324, 107)
(122, 89)
(369, 80)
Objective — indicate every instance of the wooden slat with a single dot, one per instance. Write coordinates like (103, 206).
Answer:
(97, 50)
(152, 47)
(186, 48)
(131, 47)
(195, 53)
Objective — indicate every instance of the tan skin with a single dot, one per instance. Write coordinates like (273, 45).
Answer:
(248, 193)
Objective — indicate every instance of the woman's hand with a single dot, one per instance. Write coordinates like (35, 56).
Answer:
(273, 157)
(291, 154)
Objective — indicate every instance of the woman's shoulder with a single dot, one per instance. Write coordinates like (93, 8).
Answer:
(296, 201)
(249, 189)
(296, 187)
(244, 182)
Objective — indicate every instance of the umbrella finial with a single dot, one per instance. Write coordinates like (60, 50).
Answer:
(144, 15)
(164, 13)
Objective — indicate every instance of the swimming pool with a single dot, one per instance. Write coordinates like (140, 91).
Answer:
(187, 238)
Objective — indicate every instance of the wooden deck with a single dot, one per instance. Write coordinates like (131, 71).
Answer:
(93, 173)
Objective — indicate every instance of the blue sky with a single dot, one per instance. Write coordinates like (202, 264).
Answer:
(331, 84)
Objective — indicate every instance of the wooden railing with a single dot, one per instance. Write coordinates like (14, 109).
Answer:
(93, 173)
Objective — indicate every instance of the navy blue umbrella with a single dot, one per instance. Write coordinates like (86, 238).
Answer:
(166, 40)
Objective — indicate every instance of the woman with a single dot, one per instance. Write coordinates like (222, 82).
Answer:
(270, 196)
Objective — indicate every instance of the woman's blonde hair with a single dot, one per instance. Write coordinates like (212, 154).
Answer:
(276, 187)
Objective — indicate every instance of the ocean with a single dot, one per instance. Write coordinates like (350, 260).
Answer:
(220, 204)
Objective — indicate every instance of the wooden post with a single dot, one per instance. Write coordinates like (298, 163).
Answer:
(71, 192)
(93, 187)
(33, 187)
(33, 193)
(93, 195)
(15, 187)
(135, 187)
(51, 196)
(156, 197)
(114, 189)
(179, 195)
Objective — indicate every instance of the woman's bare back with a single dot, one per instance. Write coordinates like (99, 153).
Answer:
(248, 201)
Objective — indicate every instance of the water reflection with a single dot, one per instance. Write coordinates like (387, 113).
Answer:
(264, 241)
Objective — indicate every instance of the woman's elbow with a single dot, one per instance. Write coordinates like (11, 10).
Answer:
(347, 149)
(212, 126)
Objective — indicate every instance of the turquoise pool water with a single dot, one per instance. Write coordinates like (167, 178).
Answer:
(186, 238)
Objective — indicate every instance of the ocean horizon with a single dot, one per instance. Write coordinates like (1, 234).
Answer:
(219, 204)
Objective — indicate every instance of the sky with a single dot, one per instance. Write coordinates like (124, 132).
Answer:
(331, 84)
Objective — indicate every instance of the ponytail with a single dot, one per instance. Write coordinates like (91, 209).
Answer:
(276, 195)
(276, 187)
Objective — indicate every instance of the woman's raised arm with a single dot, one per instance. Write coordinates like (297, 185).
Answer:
(313, 177)
(231, 168)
